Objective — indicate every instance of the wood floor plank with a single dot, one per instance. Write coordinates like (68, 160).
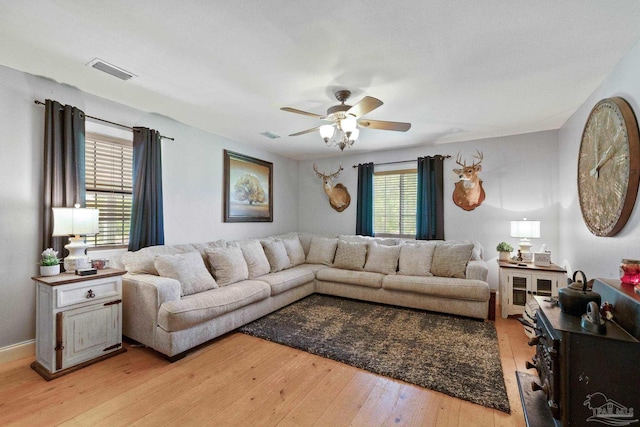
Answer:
(182, 376)
(200, 404)
(310, 409)
(348, 402)
(242, 380)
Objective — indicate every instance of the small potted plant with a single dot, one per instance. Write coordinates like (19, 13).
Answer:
(49, 264)
(504, 249)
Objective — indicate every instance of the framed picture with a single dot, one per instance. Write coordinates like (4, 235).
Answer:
(248, 193)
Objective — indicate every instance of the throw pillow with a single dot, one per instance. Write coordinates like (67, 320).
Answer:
(451, 259)
(276, 254)
(294, 249)
(253, 253)
(382, 258)
(188, 269)
(415, 259)
(138, 263)
(322, 250)
(228, 265)
(350, 255)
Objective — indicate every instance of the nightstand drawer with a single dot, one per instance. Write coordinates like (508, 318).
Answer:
(87, 292)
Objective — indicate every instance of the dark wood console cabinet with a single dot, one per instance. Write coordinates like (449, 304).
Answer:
(584, 378)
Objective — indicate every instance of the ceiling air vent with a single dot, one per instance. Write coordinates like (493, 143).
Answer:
(105, 67)
(270, 134)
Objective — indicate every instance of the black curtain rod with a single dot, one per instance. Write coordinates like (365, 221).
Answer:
(403, 161)
(111, 123)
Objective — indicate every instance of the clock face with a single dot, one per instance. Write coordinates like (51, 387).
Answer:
(608, 167)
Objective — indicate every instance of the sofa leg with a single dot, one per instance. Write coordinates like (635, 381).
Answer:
(492, 306)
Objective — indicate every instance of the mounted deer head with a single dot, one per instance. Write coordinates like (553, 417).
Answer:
(468, 192)
(339, 197)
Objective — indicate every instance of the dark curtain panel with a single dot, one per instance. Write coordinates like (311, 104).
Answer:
(430, 210)
(364, 215)
(64, 168)
(147, 223)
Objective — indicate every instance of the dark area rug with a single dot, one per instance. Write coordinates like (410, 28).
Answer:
(450, 354)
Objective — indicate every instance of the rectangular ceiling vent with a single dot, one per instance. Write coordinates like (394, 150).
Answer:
(270, 134)
(105, 67)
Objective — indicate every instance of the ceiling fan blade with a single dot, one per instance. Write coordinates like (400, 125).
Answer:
(382, 125)
(305, 131)
(364, 106)
(305, 113)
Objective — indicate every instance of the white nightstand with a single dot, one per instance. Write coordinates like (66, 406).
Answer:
(520, 283)
(79, 321)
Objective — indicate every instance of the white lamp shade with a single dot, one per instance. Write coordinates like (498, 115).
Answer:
(354, 135)
(326, 132)
(525, 229)
(349, 124)
(75, 221)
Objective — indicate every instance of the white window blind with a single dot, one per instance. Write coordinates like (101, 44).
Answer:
(395, 195)
(109, 167)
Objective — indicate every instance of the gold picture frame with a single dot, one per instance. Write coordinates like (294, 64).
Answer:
(248, 188)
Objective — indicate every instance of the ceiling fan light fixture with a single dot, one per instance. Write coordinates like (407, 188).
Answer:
(354, 135)
(348, 124)
(326, 132)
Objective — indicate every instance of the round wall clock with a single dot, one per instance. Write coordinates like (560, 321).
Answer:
(608, 167)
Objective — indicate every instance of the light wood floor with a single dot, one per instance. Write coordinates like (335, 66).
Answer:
(244, 381)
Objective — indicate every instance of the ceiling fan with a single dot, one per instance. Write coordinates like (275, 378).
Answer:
(345, 119)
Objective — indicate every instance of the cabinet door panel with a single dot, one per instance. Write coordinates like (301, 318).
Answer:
(87, 332)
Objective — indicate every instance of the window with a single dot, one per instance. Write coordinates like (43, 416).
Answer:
(395, 196)
(109, 165)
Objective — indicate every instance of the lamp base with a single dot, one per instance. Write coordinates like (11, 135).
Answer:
(77, 259)
(525, 245)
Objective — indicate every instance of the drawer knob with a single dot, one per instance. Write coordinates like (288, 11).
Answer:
(91, 294)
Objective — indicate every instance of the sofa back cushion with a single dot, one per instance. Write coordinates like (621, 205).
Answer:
(294, 249)
(451, 259)
(228, 264)
(253, 253)
(188, 269)
(276, 254)
(350, 255)
(322, 250)
(382, 259)
(416, 258)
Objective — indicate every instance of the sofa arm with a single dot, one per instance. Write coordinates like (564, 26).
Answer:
(142, 296)
(477, 270)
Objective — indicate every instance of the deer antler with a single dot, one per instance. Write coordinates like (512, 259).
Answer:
(328, 177)
(458, 161)
(479, 157)
(317, 173)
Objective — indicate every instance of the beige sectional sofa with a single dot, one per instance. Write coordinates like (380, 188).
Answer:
(176, 297)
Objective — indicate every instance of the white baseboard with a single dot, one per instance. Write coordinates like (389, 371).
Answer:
(17, 351)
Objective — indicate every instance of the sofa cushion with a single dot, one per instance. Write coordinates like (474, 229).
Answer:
(443, 287)
(228, 265)
(295, 252)
(415, 259)
(382, 259)
(195, 309)
(322, 250)
(288, 279)
(276, 254)
(360, 278)
(351, 256)
(188, 269)
(141, 261)
(450, 259)
(253, 253)
(386, 241)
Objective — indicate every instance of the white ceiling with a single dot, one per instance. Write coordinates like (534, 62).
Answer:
(457, 70)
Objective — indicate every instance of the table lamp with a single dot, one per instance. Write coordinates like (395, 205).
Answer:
(525, 230)
(75, 222)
